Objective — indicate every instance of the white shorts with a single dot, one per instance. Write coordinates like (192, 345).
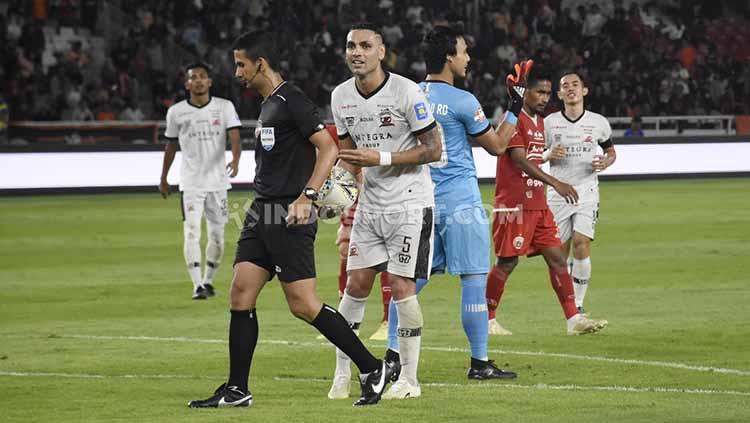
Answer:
(401, 241)
(571, 218)
(196, 204)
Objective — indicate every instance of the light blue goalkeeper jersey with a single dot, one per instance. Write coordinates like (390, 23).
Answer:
(460, 115)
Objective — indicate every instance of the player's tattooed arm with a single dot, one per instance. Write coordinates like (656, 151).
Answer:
(518, 155)
(429, 149)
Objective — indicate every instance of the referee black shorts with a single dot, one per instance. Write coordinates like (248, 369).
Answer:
(266, 241)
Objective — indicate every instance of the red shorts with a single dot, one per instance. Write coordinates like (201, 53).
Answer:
(524, 233)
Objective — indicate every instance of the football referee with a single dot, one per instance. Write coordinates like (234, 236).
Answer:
(279, 231)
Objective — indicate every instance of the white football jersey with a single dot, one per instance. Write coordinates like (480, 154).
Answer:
(202, 134)
(389, 120)
(581, 140)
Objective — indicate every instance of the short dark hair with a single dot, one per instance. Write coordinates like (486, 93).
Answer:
(257, 44)
(196, 65)
(576, 72)
(367, 26)
(437, 44)
(539, 72)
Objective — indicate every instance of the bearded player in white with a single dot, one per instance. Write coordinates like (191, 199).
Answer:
(574, 136)
(386, 128)
(201, 124)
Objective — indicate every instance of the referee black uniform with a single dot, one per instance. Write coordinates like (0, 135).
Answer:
(284, 162)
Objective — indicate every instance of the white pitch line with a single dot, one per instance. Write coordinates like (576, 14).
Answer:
(544, 386)
(541, 386)
(98, 376)
(666, 364)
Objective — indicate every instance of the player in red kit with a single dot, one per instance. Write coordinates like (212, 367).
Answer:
(523, 223)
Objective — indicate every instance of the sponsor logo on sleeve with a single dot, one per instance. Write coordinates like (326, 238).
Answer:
(421, 110)
(479, 115)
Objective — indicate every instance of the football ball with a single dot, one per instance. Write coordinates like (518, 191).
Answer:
(337, 194)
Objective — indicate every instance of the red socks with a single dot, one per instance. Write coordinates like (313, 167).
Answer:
(562, 283)
(343, 276)
(385, 289)
(495, 288)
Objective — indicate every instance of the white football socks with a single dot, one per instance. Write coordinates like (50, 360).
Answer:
(581, 274)
(353, 310)
(409, 336)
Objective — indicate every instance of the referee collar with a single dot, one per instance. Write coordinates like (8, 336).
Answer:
(376, 90)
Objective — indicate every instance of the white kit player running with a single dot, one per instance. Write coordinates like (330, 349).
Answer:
(385, 127)
(201, 125)
(573, 138)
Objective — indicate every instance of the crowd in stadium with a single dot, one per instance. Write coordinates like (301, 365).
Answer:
(122, 59)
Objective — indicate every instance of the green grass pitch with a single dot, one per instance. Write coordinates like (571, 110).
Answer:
(97, 324)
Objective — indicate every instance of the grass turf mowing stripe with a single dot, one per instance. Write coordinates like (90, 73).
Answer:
(666, 364)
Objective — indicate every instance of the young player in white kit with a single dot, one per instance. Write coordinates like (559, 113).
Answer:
(201, 125)
(385, 127)
(573, 137)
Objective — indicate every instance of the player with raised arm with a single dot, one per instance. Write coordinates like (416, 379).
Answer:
(573, 137)
(201, 125)
(462, 229)
(531, 230)
(294, 157)
(386, 128)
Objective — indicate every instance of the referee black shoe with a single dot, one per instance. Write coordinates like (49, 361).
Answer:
(225, 396)
(483, 370)
(393, 360)
(200, 293)
(209, 290)
(373, 385)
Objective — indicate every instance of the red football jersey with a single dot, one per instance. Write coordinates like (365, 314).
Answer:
(513, 187)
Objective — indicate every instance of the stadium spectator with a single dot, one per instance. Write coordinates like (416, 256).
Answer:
(635, 128)
(140, 46)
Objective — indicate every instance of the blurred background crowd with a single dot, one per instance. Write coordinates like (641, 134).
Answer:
(123, 59)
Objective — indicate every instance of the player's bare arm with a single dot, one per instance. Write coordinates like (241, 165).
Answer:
(300, 209)
(427, 151)
(347, 144)
(496, 142)
(234, 139)
(602, 162)
(557, 152)
(169, 152)
(518, 155)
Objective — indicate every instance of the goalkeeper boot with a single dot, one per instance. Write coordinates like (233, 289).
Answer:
(483, 370)
(225, 396)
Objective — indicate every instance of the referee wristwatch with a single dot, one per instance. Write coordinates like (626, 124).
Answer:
(310, 193)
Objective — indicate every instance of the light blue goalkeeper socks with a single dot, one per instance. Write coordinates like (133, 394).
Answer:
(474, 313)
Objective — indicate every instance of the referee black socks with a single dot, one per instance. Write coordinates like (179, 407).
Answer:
(335, 328)
(243, 336)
